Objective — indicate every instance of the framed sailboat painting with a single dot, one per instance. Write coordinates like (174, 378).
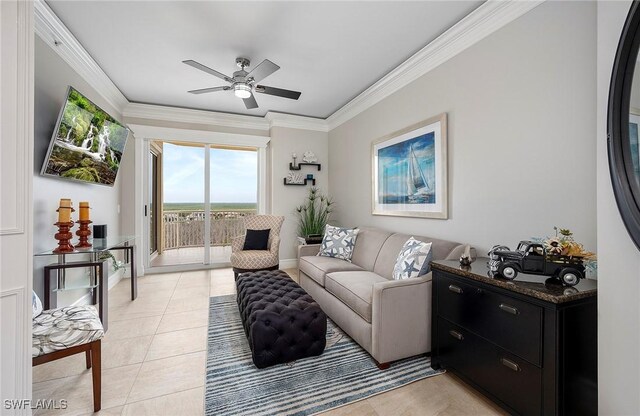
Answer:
(410, 171)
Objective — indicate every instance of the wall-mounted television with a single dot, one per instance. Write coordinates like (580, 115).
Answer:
(87, 143)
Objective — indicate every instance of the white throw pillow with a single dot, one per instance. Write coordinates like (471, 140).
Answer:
(36, 304)
(338, 242)
(413, 260)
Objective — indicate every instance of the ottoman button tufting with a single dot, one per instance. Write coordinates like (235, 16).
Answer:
(275, 295)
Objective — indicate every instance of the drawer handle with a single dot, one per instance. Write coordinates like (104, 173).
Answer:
(509, 309)
(510, 364)
(457, 335)
(455, 289)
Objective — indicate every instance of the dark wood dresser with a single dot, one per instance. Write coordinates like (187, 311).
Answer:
(530, 344)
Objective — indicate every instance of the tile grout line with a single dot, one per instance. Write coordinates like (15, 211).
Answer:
(163, 395)
(126, 399)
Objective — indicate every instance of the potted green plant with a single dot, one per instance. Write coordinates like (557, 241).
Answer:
(313, 215)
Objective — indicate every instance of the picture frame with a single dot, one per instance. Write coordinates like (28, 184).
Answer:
(409, 171)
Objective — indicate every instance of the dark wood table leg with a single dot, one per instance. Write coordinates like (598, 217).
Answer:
(134, 273)
(104, 294)
(94, 291)
(50, 298)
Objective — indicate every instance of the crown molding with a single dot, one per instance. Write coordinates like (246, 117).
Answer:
(51, 30)
(486, 19)
(292, 121)
(211, 118)
(187, 115)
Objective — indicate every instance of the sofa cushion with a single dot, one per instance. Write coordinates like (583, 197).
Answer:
(338, 242)
(370, 240)
(316, 267)
(389, 252)
(354, 289)
(254, 259)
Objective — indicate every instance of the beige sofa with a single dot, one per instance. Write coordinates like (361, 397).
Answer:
(391, 319)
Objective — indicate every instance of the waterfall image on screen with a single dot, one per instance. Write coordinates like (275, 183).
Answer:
(87, 143)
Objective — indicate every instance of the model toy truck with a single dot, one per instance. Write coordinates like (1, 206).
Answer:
(532, 258)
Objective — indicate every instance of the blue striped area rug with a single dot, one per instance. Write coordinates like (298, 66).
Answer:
(344, 373)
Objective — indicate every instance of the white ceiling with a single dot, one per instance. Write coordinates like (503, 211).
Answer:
(330, 51)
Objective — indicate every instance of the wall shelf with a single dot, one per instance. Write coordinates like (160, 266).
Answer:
(313, 182)
(300, 165)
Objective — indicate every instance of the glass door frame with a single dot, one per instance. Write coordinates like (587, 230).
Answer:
(153, 203)
(144, 134)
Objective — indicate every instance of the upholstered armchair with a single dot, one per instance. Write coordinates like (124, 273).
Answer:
(252, 260)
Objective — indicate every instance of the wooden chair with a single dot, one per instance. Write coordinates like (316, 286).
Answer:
(61, 332)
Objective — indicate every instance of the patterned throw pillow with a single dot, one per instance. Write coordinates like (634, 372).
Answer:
(413, 261)
(36, 304)
(338, 242)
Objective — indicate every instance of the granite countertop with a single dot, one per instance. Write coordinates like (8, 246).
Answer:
(541, 287)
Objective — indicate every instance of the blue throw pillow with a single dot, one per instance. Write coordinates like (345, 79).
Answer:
(414, 260)
(338, 242)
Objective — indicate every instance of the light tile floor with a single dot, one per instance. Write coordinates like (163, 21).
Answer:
(155, 351)
(191, 255)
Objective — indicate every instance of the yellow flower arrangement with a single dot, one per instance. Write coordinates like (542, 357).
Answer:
(563, 244)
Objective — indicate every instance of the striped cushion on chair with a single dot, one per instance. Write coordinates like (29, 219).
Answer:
(62, 328)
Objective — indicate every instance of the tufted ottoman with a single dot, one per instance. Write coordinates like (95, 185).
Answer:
(282, 322)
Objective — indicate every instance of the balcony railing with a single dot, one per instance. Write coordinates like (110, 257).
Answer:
(186, 228)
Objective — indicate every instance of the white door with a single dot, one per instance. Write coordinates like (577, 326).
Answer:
(16, 210)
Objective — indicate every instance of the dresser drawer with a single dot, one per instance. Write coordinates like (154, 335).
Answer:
(457, 302)
(512, 324)
(508, 378)
(456, 349)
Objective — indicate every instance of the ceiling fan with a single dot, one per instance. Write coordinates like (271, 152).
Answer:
(244, 83)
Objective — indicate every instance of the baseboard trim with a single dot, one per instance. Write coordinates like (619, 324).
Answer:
(288, 264)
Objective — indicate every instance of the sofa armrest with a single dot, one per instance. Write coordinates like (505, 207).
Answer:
(457, 252)
(308, 250)
(401, 318)
(237, 243)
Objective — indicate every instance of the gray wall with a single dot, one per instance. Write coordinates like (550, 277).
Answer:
(521, 107)
(52, 76)
(285, 199)
(618, 258)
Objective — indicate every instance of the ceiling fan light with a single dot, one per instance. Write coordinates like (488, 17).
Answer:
(242, 90)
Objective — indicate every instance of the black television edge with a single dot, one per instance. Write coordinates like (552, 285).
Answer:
(87, 143)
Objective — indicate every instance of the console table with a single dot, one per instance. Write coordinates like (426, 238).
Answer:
(529, 344)
(98, 280)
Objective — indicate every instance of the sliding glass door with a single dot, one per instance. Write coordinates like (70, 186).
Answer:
(233, 191)
(206, 192)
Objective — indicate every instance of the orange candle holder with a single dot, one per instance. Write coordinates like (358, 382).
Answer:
(64, 236)
(84, 232)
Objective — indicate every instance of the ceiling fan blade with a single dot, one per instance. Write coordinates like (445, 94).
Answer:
(250, 102)
(279, 92)
(208, 70)
(263, 70)
(206, 90)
